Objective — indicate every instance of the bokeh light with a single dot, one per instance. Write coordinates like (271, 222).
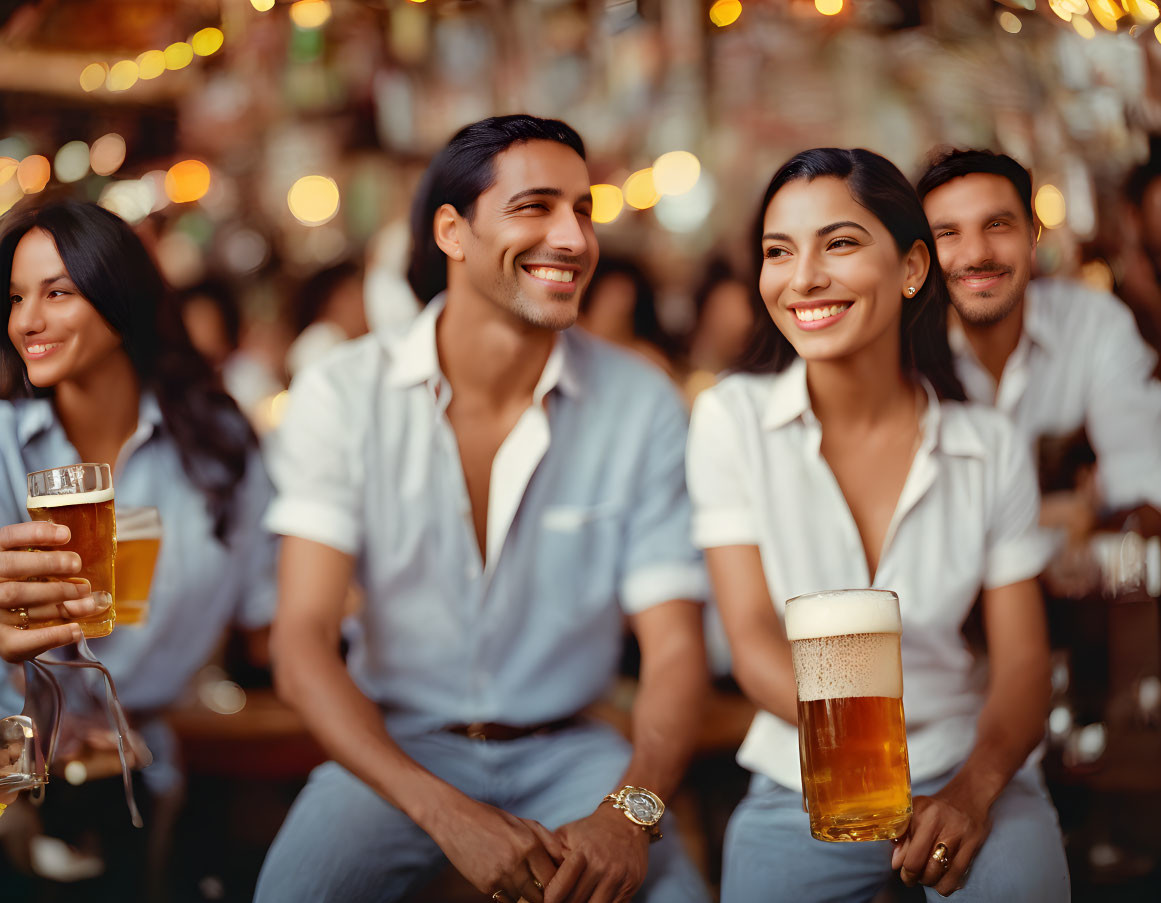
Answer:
(313, 200)
(187, 181)
(310, 13)
(122, 76)
(262, 5)
(1084, 28)
(151, 64)
(1061, 8)
(1142, 10)
(608, 201)
(640, 192)
(107, 154)
(829, 7)
(1050, 206)
(93, 76)
(675, 172)
(33, 173)
(725, 12)
(71, 163)
(178, 56)
(1106, 12)
(7, 169)
(207, 41)
(688, 212)
(1010, 22)
(131, 200)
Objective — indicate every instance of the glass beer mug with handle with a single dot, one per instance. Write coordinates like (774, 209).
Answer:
(845, 646)
(80, 496)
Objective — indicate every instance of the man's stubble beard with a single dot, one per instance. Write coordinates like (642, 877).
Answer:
(980, 316)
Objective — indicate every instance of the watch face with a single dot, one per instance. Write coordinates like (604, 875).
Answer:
(643, 807)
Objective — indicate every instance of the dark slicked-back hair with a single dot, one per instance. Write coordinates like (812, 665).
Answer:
(458, 175)
(946, 165)
(113, 272)
(878, 185)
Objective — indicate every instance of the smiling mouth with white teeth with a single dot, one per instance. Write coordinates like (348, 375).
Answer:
(810, 314)
(552, 274)
(41, 348)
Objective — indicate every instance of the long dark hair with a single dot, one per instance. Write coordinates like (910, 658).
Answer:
(878, 185)
(459, 174)
(111, 268)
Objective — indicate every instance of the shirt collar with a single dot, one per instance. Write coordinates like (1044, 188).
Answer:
(789, 400)
(35, 416)
(415, 359)
(1037, 317)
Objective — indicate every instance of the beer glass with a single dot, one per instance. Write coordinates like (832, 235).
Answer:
(851, 736)
(138, 542)
(80, 496)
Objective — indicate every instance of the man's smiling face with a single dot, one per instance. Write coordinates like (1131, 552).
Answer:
(530, 247)
(986, 244)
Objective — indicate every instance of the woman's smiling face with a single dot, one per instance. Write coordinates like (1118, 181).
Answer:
(56, 331)
(832, 278)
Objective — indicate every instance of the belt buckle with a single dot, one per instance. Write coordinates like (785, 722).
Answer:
(477, 731)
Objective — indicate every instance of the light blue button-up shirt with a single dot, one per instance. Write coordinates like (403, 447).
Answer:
(588, 519)
(199, 585)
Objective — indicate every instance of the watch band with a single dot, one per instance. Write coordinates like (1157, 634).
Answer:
(617, 799)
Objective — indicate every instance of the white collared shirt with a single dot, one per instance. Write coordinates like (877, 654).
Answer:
(966, 519)
(588, 519)
(1080, 362)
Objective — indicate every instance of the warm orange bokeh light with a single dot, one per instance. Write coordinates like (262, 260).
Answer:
(33, 173)
(187, 181)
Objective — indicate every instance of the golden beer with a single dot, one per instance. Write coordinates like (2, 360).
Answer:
(80, 497)
(851, 733)
(138, 544)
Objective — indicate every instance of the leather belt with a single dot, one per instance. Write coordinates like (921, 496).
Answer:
(487, 730)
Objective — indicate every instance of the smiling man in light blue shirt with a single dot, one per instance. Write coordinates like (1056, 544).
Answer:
(509, 495)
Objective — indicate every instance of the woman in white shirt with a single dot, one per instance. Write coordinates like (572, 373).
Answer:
(841, 456)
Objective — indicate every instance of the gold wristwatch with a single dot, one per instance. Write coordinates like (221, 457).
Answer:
(642, 807)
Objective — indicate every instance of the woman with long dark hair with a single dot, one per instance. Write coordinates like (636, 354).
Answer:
(98, 368)
(842, 456)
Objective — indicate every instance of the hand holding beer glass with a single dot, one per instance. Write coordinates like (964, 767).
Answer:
(80, 496)
(845, 646)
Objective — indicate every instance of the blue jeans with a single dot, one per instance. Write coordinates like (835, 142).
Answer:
(770, 856)
(343, 842)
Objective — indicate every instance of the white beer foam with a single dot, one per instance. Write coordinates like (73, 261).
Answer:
(839, 667)
(74, 498)
(842, 612)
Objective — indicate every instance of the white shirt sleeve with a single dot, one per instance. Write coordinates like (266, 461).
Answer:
(315, 465)
(660, 562)
(718, 485)
(1124, 411)
(1017, 549)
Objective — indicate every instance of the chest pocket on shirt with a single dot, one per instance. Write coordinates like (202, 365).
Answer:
(578, 561)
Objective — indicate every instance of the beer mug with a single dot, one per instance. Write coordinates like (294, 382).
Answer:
(138, 542)
(851, 736)
(80, 496)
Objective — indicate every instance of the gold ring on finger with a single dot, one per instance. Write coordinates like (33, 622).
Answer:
(536, 883)
(499, 896)
(22, 613)
(939, 854)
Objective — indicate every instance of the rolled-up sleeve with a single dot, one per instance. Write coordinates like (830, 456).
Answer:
(722, 512)
(660, 562)
(1017, 549)
(316, 473)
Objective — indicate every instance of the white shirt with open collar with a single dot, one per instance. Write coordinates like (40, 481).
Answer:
(588, 519)
(966, 519)
(1080, 361)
